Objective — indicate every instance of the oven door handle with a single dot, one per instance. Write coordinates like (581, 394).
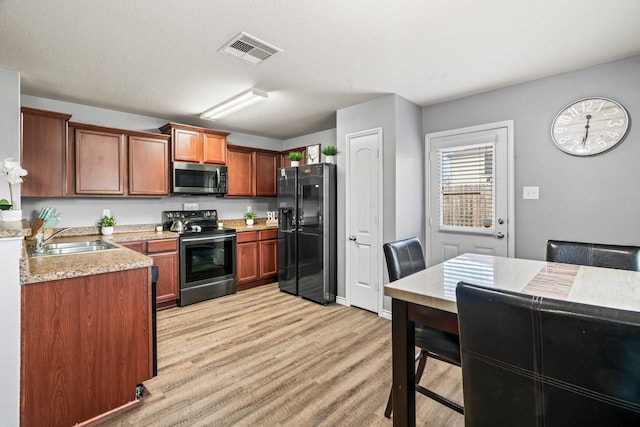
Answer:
(199, 239)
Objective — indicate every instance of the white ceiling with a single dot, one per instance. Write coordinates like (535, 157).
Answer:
(160, 58)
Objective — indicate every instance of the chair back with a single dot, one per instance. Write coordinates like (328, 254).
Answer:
(531, 361)
(404, 257)
(594, 254)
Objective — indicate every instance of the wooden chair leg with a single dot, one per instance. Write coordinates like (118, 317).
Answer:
(421, 365)
(387, 411)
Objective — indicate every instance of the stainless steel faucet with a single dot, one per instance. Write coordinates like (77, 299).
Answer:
(40, 240)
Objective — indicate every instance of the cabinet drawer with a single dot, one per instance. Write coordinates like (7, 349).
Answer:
(164, 245)
(247, 236)
(134, 246)
(268, 234)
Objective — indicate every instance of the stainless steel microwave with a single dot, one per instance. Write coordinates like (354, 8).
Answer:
(194, 178)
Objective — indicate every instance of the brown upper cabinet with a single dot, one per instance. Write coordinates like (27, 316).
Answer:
(66, 159)
(195, 144)
(148, 166)
(44, 152)
(118, 162)
(251, 172)
(99, 162)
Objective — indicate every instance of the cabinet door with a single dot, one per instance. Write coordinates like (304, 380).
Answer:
(44, 148)
(268, 258)
(100, 162)
(247, 262)
(240, 178)
(266, 167)
(88, 343)
(148, 166)
(214, 148)
(187, 145)
(167, 288)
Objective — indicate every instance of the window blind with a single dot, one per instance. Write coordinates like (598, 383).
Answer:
(467, 187)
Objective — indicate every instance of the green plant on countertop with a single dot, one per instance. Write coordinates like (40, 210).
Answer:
(107, 221)
(295, 156)
(250, 215)
(329, 150)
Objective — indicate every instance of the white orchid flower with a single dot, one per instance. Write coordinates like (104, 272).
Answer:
(13, 171)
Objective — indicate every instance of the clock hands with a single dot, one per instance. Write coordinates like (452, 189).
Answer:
(586, 133)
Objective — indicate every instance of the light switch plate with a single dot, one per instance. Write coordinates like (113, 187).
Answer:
(532, 193)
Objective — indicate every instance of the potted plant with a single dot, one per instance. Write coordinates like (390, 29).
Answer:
(250, 217)
(295, 158)
(106, 223)
(330, 153)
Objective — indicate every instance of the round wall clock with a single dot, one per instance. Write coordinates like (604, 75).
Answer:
(590, 126)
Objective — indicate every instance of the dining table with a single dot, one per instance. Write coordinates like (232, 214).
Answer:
(428, 297)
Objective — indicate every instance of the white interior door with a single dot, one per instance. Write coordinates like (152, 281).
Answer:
(363, 210)
(470, 182)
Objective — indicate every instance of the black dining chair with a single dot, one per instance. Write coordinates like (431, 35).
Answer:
(594, 254)
(533, 361)
(405, 257)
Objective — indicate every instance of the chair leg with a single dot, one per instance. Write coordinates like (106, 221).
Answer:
(389, 408)
(421, 365)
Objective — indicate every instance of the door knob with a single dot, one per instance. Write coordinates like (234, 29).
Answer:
(352, 238)
(499, 235)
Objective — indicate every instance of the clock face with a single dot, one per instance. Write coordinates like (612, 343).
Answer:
(590, 126)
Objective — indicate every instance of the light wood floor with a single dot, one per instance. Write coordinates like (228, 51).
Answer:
(265, 358)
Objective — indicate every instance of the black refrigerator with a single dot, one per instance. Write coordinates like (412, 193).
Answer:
(307, 231)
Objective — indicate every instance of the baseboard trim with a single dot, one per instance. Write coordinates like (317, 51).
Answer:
(386, 314)
(341, 300)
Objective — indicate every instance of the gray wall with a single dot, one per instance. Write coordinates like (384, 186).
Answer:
(324, 138)
(403, 185)
(582, 199)
(9, 284)
(86, 211)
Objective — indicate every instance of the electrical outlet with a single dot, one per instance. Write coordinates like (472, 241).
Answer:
(532, 193)
(106, 212)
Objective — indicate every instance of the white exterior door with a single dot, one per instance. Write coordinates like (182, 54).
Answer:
(364, 248)
(470, 192)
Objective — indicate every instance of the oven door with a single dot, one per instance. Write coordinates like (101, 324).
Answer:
(207, 267)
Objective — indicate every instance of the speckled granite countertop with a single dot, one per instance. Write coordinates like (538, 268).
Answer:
(239, 225)
(47, 268)
(40, 269)
(14, 229)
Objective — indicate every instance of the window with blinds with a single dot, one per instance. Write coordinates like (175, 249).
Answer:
(467, 187)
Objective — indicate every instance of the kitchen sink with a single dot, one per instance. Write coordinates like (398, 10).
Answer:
(72, 248)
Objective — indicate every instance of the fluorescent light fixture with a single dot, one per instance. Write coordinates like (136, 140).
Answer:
(238, 102)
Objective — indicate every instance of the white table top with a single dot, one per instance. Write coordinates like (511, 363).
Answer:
(436, 286)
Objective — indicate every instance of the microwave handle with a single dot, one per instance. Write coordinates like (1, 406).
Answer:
(217, 178)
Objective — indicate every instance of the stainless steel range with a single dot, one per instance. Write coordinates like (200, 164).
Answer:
(207, 255)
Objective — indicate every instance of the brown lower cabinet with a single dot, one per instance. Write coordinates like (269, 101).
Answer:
(164, 253)
(86, 343)
(257, 258)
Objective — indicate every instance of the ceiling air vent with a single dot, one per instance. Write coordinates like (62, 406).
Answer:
(249, 48)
